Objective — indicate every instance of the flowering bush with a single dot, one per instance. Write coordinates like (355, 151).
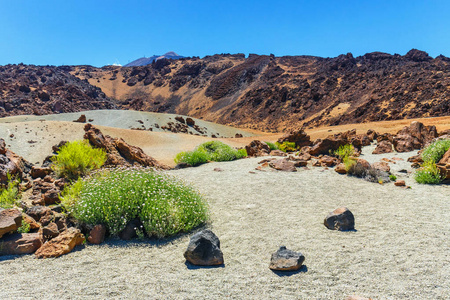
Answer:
(286, 146)
(76, 158)
(210, 151)
(114, 197)
(9, 193)
(428, 173)
(435, 151)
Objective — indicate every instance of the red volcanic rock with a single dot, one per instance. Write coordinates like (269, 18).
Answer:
(10, 220)
(257, 148)
(119, 152)
(382, 166)
(20, 243)
(97, 234)
(414, 137)
(10, 163)
(283, 164)
(384, 146)
(299, 137)
(62, 244)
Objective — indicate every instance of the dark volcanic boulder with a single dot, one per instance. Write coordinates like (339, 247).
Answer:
(97, 234)
(326, 145)
(204, 249)
(286, 260)
(10, 163)
(384, 146)
(340, 219)
(283, 164)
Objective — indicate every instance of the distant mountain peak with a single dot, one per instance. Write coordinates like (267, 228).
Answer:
(143, 61)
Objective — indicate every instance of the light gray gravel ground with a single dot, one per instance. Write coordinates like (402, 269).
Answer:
(399, 251)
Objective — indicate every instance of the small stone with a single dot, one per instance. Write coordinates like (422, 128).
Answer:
(218, 170)
(286, 260)
(340, 168)
(354, 297)
(340, 219)
(97, 234)
(204, 249)
(399, 183)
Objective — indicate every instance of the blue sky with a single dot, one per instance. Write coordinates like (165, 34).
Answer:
(104, 32)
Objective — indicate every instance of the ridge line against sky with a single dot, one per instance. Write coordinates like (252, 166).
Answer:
(105, 32)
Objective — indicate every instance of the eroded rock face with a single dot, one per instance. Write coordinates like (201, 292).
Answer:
(204, 249)
(62, 244)
(299, 137)
(414, 137)
(16, 244)
(340, 219)
(119, 152)
(10, 220)
(257, 148)
(286, 260)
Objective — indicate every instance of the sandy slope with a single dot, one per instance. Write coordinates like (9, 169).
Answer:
(399, 251)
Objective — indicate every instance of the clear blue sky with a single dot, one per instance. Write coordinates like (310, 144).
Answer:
(101, 32)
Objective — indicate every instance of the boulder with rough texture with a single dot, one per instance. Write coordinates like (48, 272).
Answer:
(20, 243)
(30, 221)
(286, 260)
(10, 220)
(328, 161)
(340, 168)
(97, 234)
(324, 146)
(204, 249)
(62, 244)
(50, 231)
(299, 137)
(277, 153)
(40, 172)
(283, 164)
(257, 148)
(81, 119)
(382, 166)
(340, 219)
(384, 146)
(38, 211)
(119, 152)
(414, 137)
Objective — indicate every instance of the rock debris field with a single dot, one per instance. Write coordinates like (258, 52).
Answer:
(399, 250)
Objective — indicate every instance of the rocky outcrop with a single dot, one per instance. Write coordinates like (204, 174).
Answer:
(10, 220)
(257, 148)
(414, 137)
(62, 244)
(299, 137)
(119, 152)
(340, 219)
(286, 260)
(204, 249)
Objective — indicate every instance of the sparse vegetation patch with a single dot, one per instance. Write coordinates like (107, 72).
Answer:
(210, 151)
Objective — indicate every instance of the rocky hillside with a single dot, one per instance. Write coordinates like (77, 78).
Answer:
(271, 93)
(38, 90)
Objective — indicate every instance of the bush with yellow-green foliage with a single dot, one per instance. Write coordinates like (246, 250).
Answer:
(77, 158)
(429, 172)
(114, 197)
(346, 154)
(286, 146)
(9, 193)
(210, 151)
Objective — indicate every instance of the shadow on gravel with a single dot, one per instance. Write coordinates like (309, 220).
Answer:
(303, 269)
(194, 267)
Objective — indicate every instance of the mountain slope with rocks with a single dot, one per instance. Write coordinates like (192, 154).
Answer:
(259, 92)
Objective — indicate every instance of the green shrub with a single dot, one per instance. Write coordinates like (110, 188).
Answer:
(428, 174)
(77, 158)
(435, 151)
(210, 151)
(392, 177)
(24, 228)
(346, 153)
(113, 197)
(272, 146)
(286, 146)
(9, 194)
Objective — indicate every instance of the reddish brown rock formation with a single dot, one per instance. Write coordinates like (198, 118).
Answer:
(10, 163)
(16, 244)
(119, 152)
(299, 137)
(414, 137)
(257, 148)
(62, 244)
